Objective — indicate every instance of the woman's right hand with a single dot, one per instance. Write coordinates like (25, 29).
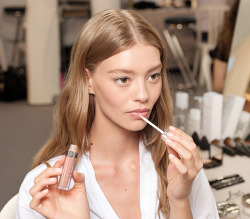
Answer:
(52, 202)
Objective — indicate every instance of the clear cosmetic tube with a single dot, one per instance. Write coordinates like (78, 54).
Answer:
(68, 168)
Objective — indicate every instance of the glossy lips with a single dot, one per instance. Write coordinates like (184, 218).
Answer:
(136, 113)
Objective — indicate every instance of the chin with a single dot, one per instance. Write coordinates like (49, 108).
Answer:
(136, 126)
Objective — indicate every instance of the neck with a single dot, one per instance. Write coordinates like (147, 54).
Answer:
(112, 144)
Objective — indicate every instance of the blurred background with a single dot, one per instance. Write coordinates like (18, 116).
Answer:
(35, 43)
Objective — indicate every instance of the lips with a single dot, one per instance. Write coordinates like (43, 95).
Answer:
(135, 113)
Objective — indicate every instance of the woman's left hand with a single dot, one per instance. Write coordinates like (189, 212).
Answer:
(185, 163)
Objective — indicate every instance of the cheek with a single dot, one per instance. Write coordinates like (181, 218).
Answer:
(110, 97)
(155, 93)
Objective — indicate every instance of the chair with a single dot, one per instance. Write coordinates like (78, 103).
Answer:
(214, 17)
(9, 210)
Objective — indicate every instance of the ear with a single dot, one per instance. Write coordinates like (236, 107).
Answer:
(89, 81)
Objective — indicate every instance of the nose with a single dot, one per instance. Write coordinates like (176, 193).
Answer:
(141, 91)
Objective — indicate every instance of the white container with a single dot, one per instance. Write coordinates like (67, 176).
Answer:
(194, 121)
(212, 115)
(243, 125)
(181, 110)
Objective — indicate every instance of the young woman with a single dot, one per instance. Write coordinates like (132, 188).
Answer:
(125, 169)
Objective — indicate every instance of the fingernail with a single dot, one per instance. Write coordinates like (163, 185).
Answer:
(172, 128)
(171, 156)
(59, 170)
(45, 191)
(52, 179)
(170, 134)
(163, 137)
(168, 140)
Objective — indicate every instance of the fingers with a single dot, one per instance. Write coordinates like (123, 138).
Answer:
(79, 180)
(185, 165)
(42, 184)
(46, 179)
(51, 171)
(36, 200)
(183, 144)
(182, 138)
(59, 162)
(182, 169)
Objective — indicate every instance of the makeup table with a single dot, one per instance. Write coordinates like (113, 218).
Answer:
(232, 165)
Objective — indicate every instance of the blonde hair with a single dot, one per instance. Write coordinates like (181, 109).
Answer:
(104, 35)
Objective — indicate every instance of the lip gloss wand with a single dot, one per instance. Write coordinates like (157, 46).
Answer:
(154, 126)
(157, 128)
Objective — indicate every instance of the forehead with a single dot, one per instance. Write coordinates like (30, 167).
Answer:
(139, 57)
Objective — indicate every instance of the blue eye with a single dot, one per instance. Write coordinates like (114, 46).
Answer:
(154, 77)
(123, 80)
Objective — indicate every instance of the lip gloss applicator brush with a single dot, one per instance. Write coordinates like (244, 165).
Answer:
(154, 126)
(157, 128)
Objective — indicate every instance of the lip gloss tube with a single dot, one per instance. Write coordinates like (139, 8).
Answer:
(68, 168)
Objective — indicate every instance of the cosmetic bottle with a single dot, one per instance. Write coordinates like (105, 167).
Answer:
(243, 125)
(194, 121)
(181, 110)
(68, 167)
(246, 204)
(212, 115)
(198, 104)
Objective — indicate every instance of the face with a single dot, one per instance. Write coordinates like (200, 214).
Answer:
(126, 85)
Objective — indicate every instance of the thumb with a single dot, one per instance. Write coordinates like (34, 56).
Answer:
(79, 180)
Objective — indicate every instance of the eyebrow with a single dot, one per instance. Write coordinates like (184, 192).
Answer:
(123, 70)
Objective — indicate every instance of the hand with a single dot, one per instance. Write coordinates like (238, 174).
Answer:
(185, 163)
(52, 202)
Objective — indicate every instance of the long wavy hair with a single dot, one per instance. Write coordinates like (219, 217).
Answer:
(103, 36)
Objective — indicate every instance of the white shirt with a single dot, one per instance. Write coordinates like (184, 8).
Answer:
(201, 199)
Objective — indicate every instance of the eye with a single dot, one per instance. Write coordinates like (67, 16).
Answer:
(123, 80)
(154, 77)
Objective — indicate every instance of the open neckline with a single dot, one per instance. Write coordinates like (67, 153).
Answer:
(101, 192)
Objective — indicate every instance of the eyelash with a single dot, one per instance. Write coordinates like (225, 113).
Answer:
(158, 75)
(118, 80)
